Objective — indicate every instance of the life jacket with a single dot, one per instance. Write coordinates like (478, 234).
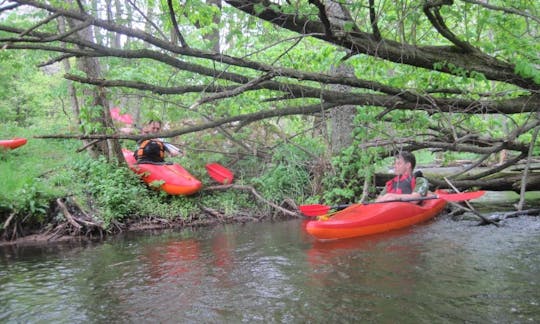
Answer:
(403, 184)
(150, 151)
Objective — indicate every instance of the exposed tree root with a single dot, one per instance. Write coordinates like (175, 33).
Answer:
(78, 222)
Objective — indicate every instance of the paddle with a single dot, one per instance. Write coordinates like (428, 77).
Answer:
(318, 209)
(219, 173)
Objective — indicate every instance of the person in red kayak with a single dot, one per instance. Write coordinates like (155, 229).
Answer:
(406, 184)
(153, 150)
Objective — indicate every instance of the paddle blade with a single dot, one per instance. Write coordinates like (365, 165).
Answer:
(462, 196)
(219, 173)
(314, 210)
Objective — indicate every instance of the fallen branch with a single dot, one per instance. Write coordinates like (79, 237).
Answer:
(257, 195)
(77, 222)
(88, 144)
(485, 220)
(88, 221)
(528, 212)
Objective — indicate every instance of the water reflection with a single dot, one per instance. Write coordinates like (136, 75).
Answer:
(440, 271)
(172, 259)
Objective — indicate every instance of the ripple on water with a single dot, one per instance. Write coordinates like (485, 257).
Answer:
(440, 271)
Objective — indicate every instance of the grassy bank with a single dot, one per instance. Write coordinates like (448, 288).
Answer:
(43, 176)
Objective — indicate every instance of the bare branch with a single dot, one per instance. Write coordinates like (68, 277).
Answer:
(373, 19)
(323, 17)
(233, 92)
(175, 24)
(438, 22)
(303, 110)
(504, 9)
(156, 27)
(72, 31)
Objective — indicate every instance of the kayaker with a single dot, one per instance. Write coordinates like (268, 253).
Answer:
(406, 184)
(153, 150)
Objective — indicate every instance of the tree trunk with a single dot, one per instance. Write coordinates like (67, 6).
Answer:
(341, 118)
(90, 65)
(71, 87)
(214, 36)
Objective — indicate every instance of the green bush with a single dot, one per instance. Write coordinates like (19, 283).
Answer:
(116, 191)
(287, 176)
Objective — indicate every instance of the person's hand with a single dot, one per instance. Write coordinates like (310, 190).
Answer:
(146, 129)
(173, 150)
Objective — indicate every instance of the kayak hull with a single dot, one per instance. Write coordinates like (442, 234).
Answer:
(13, 143)
(175, 179)
(360, 220)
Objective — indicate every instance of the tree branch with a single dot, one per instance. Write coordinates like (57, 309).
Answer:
(156, 27)
(503, 9)
(175, 24)
(373, 19)
(233, 92)
(323, 17)
(363, 43)
(304, 110)
(438, 22)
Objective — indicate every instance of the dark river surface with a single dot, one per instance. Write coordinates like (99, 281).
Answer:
(441, 271)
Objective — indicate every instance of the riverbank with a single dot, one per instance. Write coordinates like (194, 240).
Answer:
(495, 206)
(75, 197)
(47, 236)
(75, 224)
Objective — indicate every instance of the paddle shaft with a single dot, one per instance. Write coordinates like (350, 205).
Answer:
(340, 207)
(404, 200)
(447, 197)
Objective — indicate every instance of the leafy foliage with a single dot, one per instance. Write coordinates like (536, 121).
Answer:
(287, 176)
(20, 100)
(350, 168)
(115, 190)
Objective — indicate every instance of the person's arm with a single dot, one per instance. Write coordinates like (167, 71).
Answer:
(422, 186)
(396, 196)
(171, 149)
(420, 190)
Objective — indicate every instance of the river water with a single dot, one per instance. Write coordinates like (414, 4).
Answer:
(442, 271)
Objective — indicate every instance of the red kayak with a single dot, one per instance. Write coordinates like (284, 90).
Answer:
(13, 143)
(367, 219)
(176, 180)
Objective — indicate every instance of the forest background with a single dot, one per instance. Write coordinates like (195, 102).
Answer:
(304, 100)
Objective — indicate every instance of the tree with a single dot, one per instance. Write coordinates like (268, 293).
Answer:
(446, 63)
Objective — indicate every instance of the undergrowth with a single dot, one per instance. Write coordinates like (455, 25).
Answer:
(43, 170)
(38, 173)
(287, 175)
